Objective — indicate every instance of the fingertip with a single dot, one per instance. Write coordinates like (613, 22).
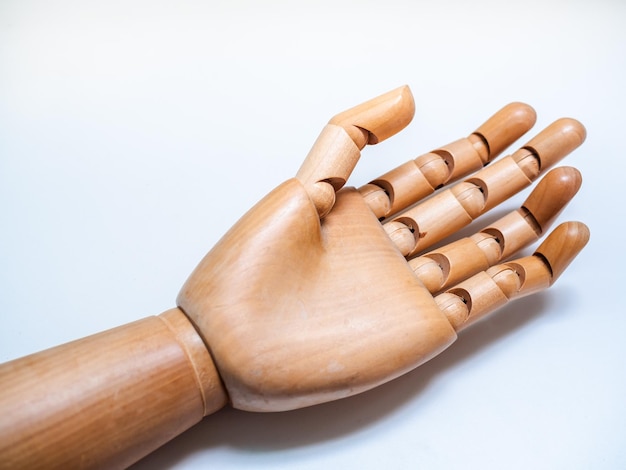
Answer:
(573, 129)
(520, 115)
(506, 126)
(397, 109)
(569, 176)
(565, 181)
(552, 194)
(408, 101)
(579, 233)
(380, 117)
(398, 112)
(563, 245)
(556, 141)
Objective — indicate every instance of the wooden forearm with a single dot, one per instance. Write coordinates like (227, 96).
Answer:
(109, 399)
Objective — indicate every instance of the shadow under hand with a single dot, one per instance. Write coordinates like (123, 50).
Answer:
(268, 432)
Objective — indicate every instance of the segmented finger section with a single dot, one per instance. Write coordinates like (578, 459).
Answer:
(416, 179)
(451, 210)
(481, 294)
(452, 263)
(455, 262)
(337, 150)
(489, 290)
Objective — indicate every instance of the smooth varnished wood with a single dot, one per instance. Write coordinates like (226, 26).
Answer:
(485, 292)
(414, 180)
(441, 268)
(562, 247)
(305, 324)
(338, 148)
(308, 297)
(379, 118)
(449, 211)
(506, 126)
(106, 400)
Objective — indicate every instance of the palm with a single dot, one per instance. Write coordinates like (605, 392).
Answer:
(305, 303)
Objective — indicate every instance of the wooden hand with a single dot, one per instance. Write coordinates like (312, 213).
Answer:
(319, 292)
(310, 298)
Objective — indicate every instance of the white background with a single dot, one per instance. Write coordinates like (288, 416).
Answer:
(133, 134)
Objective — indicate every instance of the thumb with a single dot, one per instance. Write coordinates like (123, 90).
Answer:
(336, 151)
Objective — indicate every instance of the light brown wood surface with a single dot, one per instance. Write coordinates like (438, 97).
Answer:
(446, 266)
(418, 178)
(108, 399)
(309, 297)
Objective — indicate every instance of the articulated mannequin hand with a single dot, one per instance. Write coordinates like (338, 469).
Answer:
(321, 291)
(298, 311)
